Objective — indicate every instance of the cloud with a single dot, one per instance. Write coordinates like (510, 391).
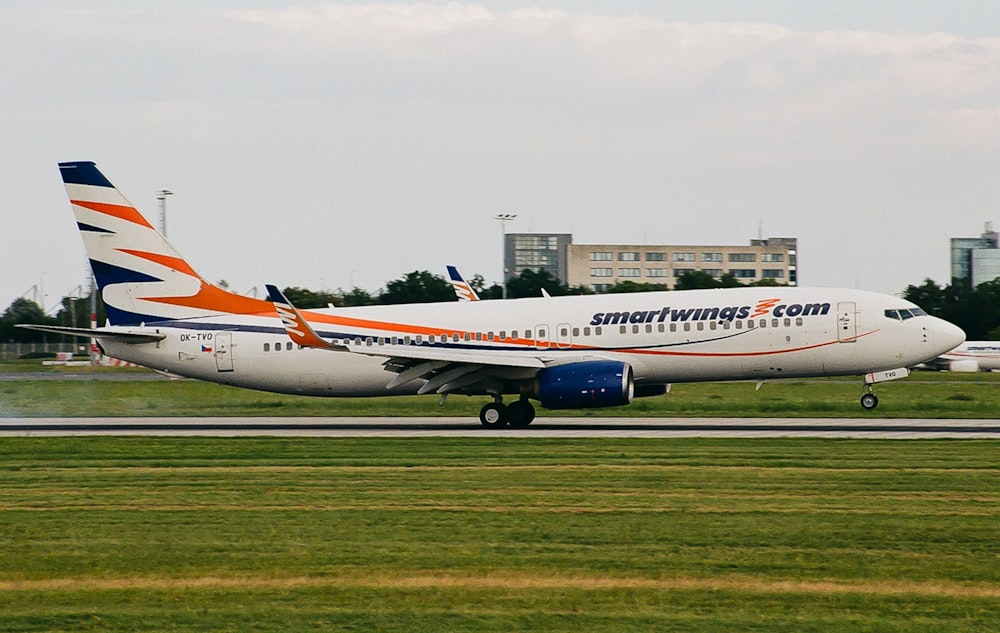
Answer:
(451, 112)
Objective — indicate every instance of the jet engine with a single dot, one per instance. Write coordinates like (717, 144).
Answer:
(583, 385)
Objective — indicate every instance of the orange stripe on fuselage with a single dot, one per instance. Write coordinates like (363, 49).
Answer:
(121, 212)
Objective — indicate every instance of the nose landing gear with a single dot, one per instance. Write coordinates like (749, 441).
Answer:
(869, 400)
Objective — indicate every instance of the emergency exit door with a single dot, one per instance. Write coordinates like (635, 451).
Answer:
(224, 351)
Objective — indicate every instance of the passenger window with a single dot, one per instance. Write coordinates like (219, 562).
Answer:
(576, 332)
(454, 337)
(420, 339)
(586, 331)
(649, 328)
(621, 329)
(513, 334)
(468, 337)
(788, 323)
(369, 341)
(687, 327)
(739, 325)
(673, 327)
(712, 325)
(774, 322)
(277, 347)
(288, 346)
(763, 323)
(635, 329)
(725, 325)
(750, 324)
(798, 322)
(267, 347)
(701, 326)
(660, 328)
(598, 330)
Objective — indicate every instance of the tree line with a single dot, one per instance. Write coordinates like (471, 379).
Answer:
(977, 311)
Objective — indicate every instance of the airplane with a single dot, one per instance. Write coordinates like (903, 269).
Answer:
(970, 356)
(574, 352)
(463, 290)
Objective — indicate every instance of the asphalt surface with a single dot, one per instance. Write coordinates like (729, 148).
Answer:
(542, 427)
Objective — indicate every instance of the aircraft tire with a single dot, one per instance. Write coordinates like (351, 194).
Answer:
(869, 401)
(494, 415)
(520, 414)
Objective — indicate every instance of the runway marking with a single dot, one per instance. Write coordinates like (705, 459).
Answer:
(749, 584)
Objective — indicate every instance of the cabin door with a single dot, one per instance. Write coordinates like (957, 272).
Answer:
(847, 322)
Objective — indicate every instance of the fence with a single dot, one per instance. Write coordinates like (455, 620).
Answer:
(9, 351)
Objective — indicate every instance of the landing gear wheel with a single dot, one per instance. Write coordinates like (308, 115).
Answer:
(493, 415)
(869, 401)
(520, 413)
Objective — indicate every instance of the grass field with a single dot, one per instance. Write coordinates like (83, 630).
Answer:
(924, 394)
(276, 534)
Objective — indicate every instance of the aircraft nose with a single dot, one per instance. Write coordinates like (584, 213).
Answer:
(947, 336)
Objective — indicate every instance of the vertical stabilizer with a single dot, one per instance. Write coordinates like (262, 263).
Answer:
(141, 277)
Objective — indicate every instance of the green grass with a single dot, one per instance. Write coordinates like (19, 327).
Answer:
(924, 394)
(284, 534)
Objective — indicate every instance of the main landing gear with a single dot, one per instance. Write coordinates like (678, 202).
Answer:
(517, 414)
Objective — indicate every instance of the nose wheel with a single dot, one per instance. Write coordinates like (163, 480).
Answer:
(869, 401)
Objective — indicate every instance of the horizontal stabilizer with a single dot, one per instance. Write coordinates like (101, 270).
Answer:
(123, 336)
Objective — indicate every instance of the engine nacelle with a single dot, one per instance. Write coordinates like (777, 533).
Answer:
(584, 385)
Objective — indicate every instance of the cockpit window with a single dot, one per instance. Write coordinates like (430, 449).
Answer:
(904, 314)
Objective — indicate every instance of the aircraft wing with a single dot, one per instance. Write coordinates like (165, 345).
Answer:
(124, 336)
(444, 369)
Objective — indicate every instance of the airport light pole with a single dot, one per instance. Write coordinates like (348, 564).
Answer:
(161, 195)
(504, 218)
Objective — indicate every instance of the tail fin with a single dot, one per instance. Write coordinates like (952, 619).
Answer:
(141, 277)
(462, 288)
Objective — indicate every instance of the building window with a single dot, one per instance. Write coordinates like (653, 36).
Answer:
(772, 257)
(772, 274)
(600, 287)
(683, 257)
(536, 242)
(743, 257)
(602, 272)
(743, 273)
(600, 256)
(711, 257)
(714, 272)
(628, 256)
(657, 272)
(656, 257)
(681, 271)
(628, 272)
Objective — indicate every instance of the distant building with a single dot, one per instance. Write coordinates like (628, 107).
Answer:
(599, 266)
(975, 259)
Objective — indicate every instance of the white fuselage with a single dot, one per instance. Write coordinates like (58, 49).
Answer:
(666, 337)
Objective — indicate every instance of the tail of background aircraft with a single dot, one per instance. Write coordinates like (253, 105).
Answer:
(141, 277)
(462, 288)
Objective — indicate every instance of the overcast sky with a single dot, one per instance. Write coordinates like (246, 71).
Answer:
(326, 144)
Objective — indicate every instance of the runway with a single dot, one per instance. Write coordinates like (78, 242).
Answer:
(582, 427)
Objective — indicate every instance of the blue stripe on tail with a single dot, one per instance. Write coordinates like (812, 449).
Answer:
(83, 173)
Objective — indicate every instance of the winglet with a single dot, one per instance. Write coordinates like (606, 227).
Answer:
(295, 324)
(462, 288)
